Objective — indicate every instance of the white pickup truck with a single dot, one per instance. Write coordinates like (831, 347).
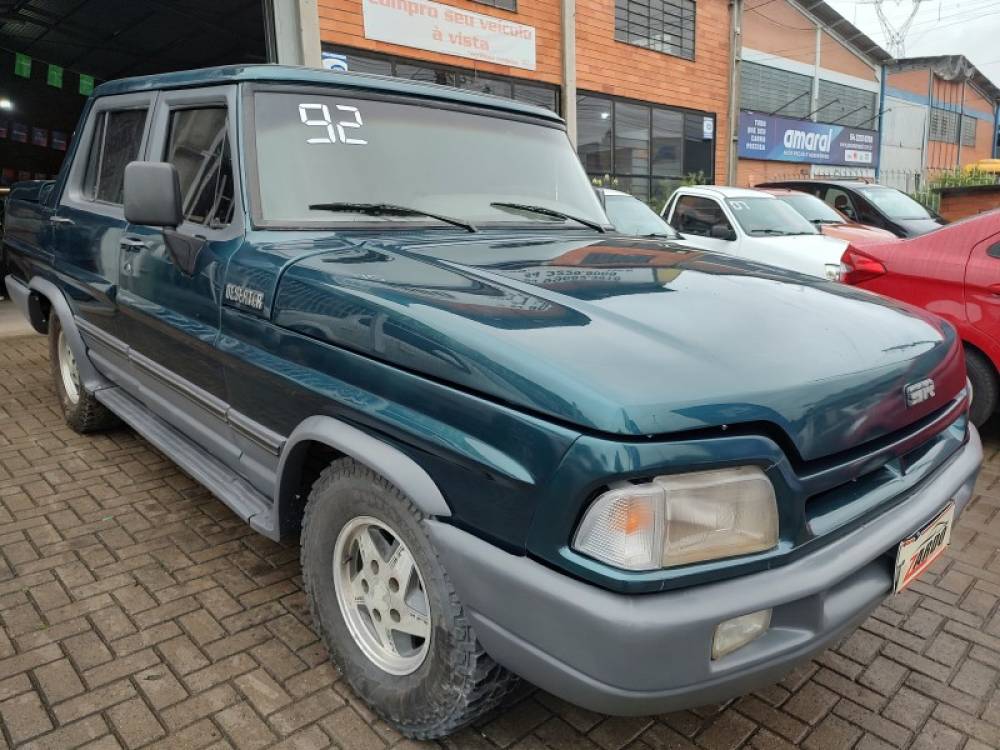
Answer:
(755, 225)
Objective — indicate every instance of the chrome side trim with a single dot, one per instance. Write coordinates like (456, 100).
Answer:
(266, 438)
(186, 388)
(103, 336)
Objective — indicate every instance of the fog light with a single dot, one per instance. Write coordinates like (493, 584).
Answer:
(738, 632)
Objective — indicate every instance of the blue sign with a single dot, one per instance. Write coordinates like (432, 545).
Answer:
(784, 139)
(334, 61)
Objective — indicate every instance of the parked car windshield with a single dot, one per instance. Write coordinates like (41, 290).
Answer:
(768, 217)
(631, 216)
(894, 204)
(812, 208)
(314, 148)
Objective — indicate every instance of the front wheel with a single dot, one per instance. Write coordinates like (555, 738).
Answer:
(383, 603)
(83, 412)
(985, 390)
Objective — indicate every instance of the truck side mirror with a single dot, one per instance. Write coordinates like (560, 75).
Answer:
(722, 232)
(153, 194)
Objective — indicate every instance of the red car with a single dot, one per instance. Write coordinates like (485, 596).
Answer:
(829, 220)
(953, 272)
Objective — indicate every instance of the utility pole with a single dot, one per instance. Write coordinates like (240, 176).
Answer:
(568, 15)
(293, 32)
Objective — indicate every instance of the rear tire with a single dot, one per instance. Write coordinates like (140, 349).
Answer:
(424, 687)
(83, 412)
(985, 390)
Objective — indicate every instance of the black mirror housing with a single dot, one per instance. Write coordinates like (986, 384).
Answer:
(722, 232)
(153, 194)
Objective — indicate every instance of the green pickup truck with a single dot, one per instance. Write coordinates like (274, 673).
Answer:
(390, 321)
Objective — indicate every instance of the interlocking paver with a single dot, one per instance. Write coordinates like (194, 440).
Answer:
(138, 611)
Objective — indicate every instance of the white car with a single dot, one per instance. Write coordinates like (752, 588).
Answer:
(755, 225)
(631, 216)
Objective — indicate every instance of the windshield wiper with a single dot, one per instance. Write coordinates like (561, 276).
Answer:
(549, 212)
(390, 209)
(773, 232)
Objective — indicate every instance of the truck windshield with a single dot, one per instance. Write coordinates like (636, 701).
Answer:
(315, 149)
(769, 217)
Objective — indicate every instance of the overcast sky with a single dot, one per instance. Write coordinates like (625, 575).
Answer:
(940, 27)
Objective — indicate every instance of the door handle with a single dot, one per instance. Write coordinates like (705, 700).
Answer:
(60, 220)
(994, 289)
(132, 244)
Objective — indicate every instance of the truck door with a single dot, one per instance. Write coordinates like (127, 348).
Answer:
(982, 287)
(170, 300)
(89, 221)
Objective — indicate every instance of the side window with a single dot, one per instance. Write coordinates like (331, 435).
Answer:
(198, 146)
(841, 201)
(697, 215)
(116, 141)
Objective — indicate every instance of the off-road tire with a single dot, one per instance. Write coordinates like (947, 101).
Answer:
(87, 414)
(985, 390)
(457, 681)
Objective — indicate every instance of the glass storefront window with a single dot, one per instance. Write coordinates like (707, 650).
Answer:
(668, 142)
(631, 138)
(643, 149)
(593, 134)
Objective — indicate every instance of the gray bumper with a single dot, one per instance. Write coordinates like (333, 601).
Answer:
(646, 654)
(18, 292)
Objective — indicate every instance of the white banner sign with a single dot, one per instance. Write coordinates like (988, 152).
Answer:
(441, 28)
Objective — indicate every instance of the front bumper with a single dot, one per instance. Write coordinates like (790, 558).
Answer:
(649, 653)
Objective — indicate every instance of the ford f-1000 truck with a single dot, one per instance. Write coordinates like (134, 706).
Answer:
(390, 319)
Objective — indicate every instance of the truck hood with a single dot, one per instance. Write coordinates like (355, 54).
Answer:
(627, 337)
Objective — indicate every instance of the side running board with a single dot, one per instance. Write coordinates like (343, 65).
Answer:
(221, 481)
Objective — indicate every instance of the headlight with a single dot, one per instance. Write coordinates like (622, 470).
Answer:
(681, 518)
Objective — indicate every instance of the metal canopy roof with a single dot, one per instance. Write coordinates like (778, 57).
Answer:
(953, 68)
(109, 39)
(847, 31)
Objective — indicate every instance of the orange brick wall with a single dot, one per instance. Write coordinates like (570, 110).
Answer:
(984, 144)
(342, 22)
(835, 56)
(914, 81)
(611, 67)
(603, 65)
(780, 29)
(959, 205)
(751, 172)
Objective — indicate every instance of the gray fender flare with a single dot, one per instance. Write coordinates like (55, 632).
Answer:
(91, 378)
(382, 458)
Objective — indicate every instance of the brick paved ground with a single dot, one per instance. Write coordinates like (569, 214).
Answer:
(138, 611)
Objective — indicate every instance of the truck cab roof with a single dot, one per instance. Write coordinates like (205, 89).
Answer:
(288, 74)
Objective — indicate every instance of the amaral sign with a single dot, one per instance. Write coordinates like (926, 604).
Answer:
(773, 138)
(441, 28)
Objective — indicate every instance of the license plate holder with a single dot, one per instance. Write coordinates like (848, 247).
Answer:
(918, 552)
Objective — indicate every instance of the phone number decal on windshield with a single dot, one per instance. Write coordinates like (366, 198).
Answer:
(315, 114)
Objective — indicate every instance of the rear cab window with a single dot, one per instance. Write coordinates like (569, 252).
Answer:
(116, 141)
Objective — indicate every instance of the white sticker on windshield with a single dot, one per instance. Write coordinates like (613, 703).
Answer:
(317, 115)
(738, 205)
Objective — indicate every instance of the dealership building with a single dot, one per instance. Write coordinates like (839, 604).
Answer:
(809, 93)
(654, 92)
